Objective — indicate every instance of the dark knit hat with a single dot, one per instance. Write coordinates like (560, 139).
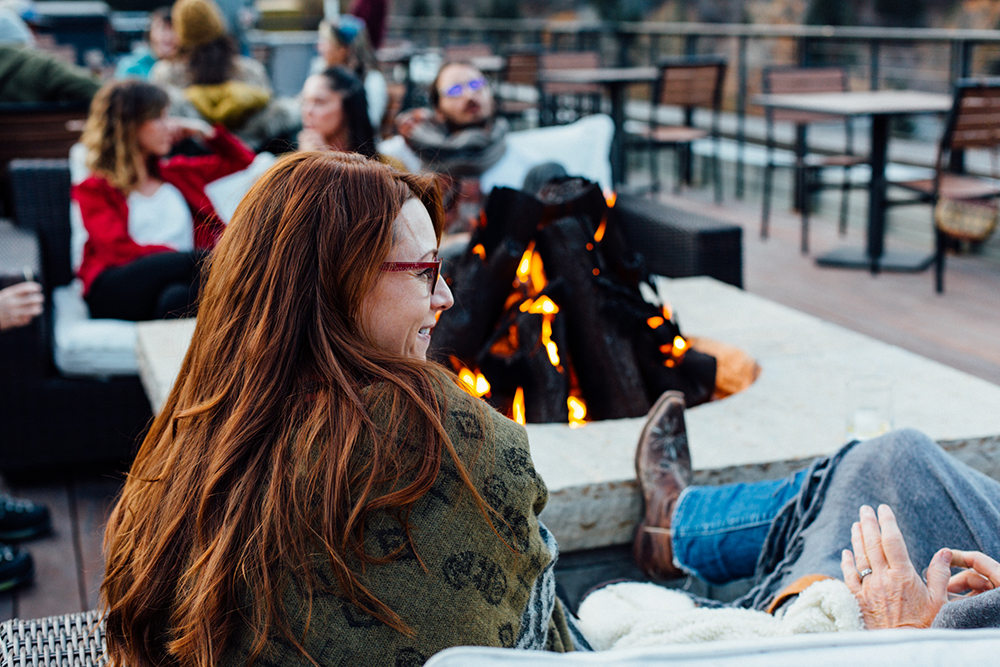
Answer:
(197, 22)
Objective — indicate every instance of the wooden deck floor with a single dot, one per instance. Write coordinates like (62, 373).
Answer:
(959, 328)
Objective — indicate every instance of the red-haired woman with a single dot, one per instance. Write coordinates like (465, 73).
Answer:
(310, 469)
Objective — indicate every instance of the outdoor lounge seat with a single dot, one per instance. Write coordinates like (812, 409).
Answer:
(973, 123)
(687, 83)
(72, 640)
(69, 386)
(808, 167)
(78, 640)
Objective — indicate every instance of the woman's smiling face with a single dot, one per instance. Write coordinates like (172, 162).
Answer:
(400, 312)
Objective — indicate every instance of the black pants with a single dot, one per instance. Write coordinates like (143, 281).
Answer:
(153, 287)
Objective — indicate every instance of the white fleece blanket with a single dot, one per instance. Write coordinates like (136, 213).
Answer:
(630, 615)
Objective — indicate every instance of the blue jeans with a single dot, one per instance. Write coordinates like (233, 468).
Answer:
(719, 531)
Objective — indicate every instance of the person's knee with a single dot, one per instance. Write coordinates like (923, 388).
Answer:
(894, 450)
(176, 300)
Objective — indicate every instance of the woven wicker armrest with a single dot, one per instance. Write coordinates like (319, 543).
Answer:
(679, 244)
(24, 355)
(47, 419)
(73, 640)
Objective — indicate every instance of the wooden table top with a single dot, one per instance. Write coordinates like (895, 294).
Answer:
(600, 75)
(860, 103)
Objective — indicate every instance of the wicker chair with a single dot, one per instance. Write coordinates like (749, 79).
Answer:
(687, 83)
(974, 123)
(563, 102)
(808, 167)
(679, 244)
(73, 640)
(42, 130)
(47, 419)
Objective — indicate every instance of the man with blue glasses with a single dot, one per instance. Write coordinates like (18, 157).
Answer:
(459, 136)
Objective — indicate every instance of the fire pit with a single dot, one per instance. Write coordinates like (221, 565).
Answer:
(555, 320)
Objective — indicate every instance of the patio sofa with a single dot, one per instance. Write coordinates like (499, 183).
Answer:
(47, 417)
(78, 639)
(69, 386)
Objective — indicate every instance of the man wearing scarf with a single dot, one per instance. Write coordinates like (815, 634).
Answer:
(459, 138)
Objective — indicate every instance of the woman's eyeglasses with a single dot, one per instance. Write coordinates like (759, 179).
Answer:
(456, 90)
(431, 269)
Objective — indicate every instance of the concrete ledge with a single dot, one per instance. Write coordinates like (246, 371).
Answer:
(795, 411)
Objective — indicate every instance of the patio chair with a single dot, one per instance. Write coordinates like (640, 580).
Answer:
(72, 639)
(467, 51)
(973, 123)
(520, 74)
(688, 83)
(36, 130)
(563, 102)
(48, 418)
(807, 167)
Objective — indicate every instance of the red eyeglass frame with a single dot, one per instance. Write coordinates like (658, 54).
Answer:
(416, 266)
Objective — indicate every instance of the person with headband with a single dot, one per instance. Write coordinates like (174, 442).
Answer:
(344, 42)
(161, 45)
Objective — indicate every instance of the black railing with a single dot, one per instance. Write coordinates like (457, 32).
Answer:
(911, 58)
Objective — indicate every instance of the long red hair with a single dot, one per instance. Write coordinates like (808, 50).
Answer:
(265, 451)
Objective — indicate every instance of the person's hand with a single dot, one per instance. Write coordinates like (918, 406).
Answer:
(19, 304)
(182, 128)
(982, 573)
(311, 140)
(406, 121)
(893, 595)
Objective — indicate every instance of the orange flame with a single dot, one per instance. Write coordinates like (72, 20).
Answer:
(675, 351)
(506, 346)
(668, 314)
(518, 406)
(550, 346)
(655, 322)
(601, 228)
(480, 251)
(474, 382)
(543, 305)
(524, 266)
(577, 411)
(538, 279)
(610, 196)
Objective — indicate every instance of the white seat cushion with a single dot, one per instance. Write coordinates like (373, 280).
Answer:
(884, 648)
(89, 347)
(582, 148)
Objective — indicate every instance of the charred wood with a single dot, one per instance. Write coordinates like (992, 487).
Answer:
(601, 349)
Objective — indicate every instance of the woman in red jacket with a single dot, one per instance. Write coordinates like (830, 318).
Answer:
(148, 219)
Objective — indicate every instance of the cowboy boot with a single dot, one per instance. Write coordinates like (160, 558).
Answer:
(663, 468)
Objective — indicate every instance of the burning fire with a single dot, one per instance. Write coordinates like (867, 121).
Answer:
(479, 251)
(473, 382)
(547, 308)
(601, 228)
(530, 271)
(577, 411)
(610, 196)
(518, 406)
(674, 350)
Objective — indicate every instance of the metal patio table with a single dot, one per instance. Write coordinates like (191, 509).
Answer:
(881, 105)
